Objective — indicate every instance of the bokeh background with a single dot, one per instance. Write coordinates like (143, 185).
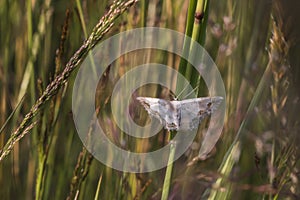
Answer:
(255, 45)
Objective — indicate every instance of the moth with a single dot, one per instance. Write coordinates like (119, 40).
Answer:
(185, 115)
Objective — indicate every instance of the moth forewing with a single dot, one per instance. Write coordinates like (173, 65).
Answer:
(161, 109)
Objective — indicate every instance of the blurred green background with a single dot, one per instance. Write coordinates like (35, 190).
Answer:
(255, 45)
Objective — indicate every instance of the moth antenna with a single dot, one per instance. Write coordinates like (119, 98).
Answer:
(191, 91)
(185, 87)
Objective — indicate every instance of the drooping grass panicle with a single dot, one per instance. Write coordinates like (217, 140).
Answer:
(103, 26)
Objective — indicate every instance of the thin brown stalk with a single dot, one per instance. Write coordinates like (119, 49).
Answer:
(80, 172)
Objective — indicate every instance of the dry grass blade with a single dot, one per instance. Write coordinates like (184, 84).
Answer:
(12, 114)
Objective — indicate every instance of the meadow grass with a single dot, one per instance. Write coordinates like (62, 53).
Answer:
(255, 46)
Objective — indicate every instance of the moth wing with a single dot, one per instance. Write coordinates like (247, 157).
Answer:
(193, 111)
(160, 109)
(150, 104)
(165, 111)
(180, 115)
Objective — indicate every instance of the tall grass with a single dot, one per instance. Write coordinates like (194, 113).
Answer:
(255, 46)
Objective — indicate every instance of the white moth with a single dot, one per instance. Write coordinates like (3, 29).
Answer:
(182, 115)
